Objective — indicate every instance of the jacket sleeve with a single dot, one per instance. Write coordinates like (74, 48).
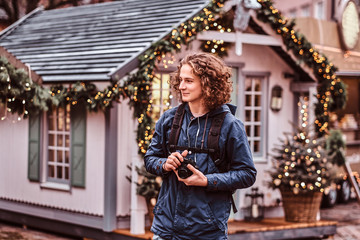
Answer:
(156, 155)
(242, 173)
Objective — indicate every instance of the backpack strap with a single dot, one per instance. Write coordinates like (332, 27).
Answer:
(176, 127)
(214, 149)
(213, 142)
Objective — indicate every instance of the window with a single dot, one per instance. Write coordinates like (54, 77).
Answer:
(250, 94)
(58, 161)
(319, 10)
(57, 147)
(292, 13)
(161, 94)
(253, 112)
(305, 11)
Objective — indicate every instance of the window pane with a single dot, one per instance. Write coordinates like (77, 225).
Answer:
(257, 100)
(67, 141)
(59, 156)
(60, 119)
(257, 131)
(247, 115)
(60, 140)
(59, 172)
(67, 157)
(156, 97)
(257, 83)
(67, 173)
(51, 155)
(257, 116)
(51, 171)
(248, 130)
(247, 100)
(166, 99)
(256, 146)
(51, 140)
(156, 84)
(248, 84)
(156, 112)
(52, 123)
(165, 81)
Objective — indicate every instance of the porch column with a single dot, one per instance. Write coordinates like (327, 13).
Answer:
(137, 208)
(111, 129)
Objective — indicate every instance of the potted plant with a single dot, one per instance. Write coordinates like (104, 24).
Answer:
(301, 173)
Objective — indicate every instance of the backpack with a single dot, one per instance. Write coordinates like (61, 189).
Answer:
(212, 142)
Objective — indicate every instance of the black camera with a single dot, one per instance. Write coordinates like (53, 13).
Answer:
(183, 171)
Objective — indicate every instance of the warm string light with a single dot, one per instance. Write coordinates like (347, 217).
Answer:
(324, 71)
(301, 165)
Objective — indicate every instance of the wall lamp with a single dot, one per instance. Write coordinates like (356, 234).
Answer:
(276, 98)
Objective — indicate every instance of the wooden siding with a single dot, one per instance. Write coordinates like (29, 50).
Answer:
(89, 43)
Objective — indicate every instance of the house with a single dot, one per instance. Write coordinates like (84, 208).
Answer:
(67, 167)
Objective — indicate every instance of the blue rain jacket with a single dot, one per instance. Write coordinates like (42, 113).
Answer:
(190, 212)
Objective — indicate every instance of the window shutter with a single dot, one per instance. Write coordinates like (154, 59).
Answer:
(34, 148)
(78, 144)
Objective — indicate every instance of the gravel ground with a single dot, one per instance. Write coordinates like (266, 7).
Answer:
(348, 218)
(12, 232)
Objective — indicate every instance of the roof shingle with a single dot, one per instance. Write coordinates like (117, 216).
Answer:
(89, 42)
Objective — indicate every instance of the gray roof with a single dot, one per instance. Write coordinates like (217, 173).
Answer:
(93, 42)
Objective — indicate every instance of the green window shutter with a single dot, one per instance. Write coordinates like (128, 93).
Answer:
(78, 144)
(34, 148)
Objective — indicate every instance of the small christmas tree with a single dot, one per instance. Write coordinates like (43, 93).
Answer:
(301, 161)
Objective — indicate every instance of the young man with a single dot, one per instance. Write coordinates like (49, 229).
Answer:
(198, 206)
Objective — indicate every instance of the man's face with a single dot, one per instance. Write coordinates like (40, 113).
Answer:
(190, 85)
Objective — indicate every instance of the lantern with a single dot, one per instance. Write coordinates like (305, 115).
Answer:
(255, 206)
(276, 98)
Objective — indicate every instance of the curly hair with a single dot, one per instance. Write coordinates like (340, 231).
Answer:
(214, 75)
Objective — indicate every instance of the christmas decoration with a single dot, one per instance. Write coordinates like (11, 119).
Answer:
(20, 95)
(331, 91)
(300, 162)
(224, 23)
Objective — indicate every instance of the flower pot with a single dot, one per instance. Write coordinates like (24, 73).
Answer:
(301, 207)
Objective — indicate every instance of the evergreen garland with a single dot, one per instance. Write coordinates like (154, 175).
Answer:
(20, 95)
(331, 91)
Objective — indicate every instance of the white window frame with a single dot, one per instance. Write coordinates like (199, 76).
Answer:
(262, 155)
(306, 11)
(46, 181)
(316, 10)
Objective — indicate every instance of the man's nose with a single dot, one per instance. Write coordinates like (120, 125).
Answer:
(182, 85)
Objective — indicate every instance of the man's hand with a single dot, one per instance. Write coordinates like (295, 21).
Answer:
(197, 179)
(174, 161)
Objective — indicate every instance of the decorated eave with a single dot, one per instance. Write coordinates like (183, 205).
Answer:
(106, 41)
(99, 42)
